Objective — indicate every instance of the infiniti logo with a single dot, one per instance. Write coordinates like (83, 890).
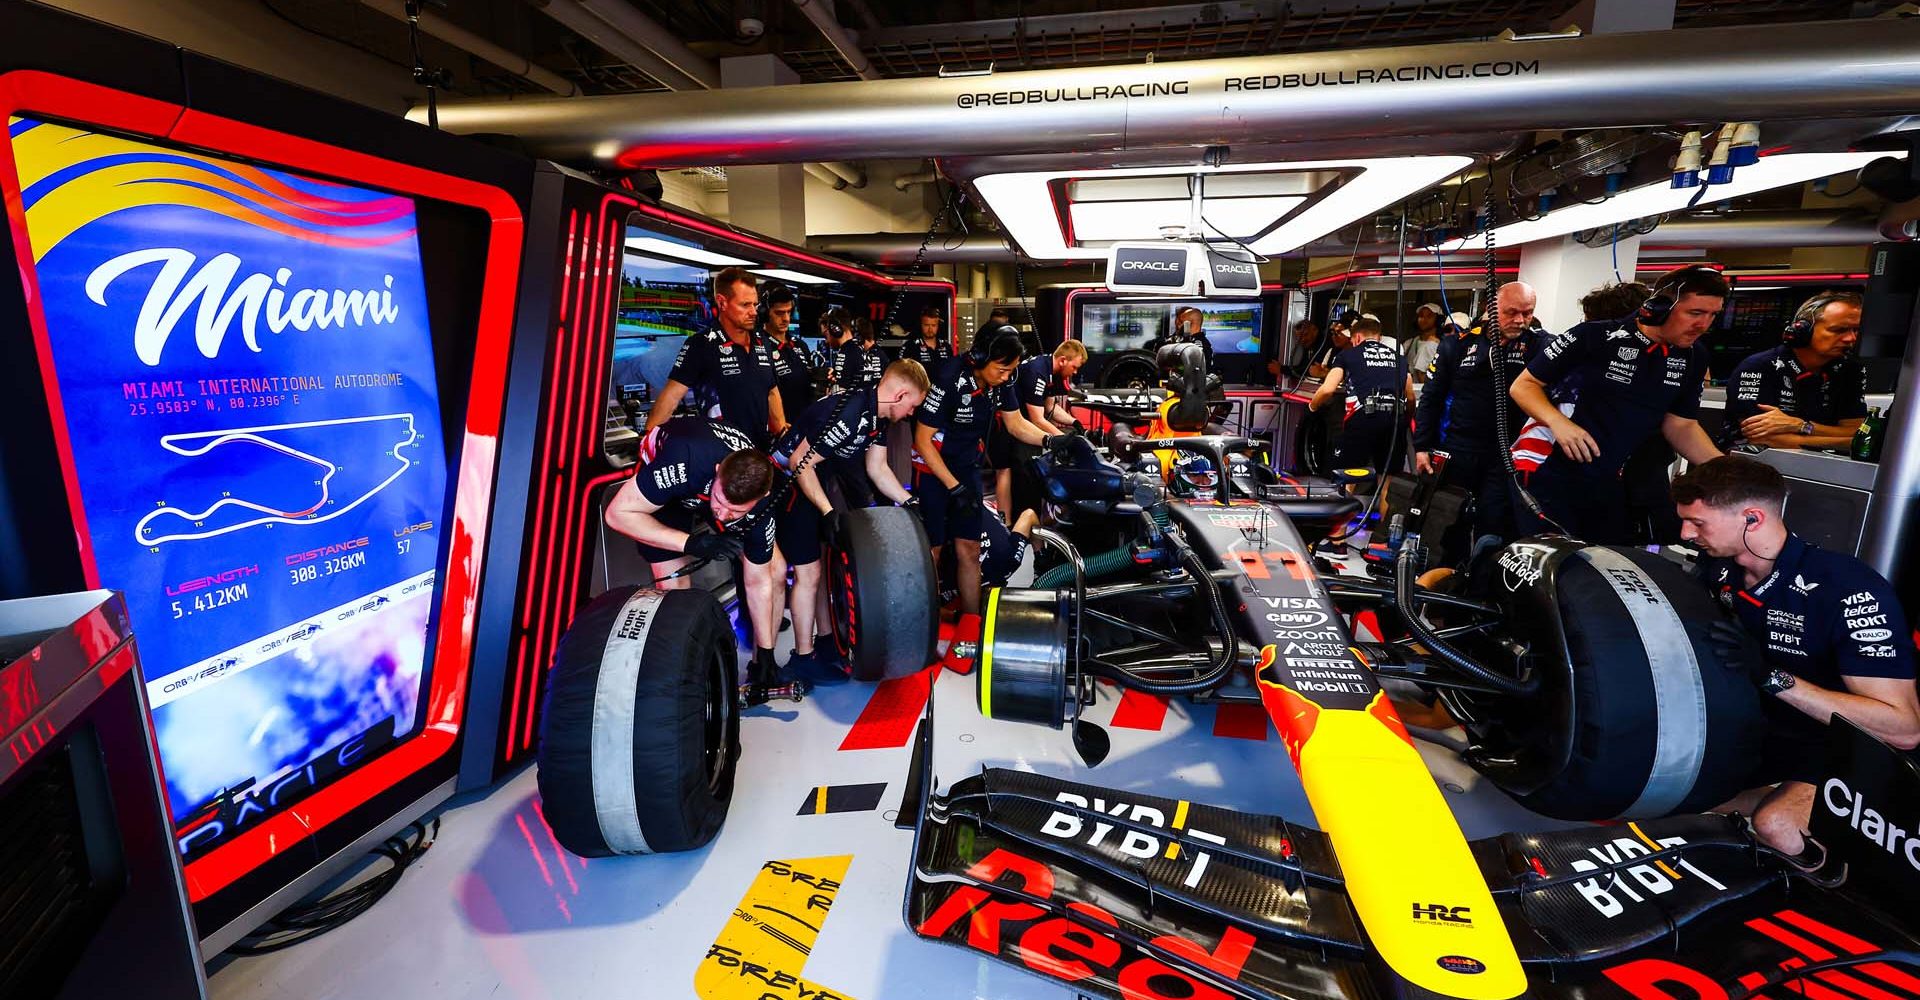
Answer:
(221, 302)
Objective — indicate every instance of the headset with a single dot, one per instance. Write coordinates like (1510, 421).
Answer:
(995, 343)
(1659, 305)
(837, 319)
(1799, 333)
(771, 293)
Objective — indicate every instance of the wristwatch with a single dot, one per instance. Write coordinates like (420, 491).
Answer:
(1778, 681)
(1806, 428)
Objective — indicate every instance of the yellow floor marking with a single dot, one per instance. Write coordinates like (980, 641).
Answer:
(764, 946)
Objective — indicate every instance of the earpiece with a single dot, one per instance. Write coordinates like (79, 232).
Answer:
(1752, 520)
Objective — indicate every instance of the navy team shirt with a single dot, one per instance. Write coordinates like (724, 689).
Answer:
(1368, 369)
(1621, 385)
(792, 373)
(916, 349)
(961, 408)
(1820, 616)
(841, 425)
(1456, 408)
(1035, 381)
(728, 382)
(1775, 377)
(678, 463)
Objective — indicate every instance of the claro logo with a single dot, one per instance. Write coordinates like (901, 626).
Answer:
(1152, 265)
(1850, 806)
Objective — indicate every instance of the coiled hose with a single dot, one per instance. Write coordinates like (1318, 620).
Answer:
(1098, 565)
(1404, 572)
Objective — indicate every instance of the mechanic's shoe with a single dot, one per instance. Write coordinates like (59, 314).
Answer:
(965, 646)
(813, 668)
(767, 682)
(827, 650)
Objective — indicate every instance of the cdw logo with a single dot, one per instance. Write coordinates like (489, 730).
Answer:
(1442, 913)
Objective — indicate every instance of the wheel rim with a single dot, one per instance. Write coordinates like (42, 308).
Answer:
(715, 746)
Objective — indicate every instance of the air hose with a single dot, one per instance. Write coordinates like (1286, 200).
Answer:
(1098, 565)
(1216, 671)
(1403, 574)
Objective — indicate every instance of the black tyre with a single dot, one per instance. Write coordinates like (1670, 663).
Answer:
(884, 594)
(640, 738)
(1130, 370)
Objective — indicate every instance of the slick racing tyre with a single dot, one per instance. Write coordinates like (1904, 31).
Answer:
(1643, 710)
(640, 738)
(884, 594)
(1130, 370)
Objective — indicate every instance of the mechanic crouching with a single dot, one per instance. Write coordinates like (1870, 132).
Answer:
(969, 394)
(693, 469)
(1372, 376)
(1835, 641)
(842, 427)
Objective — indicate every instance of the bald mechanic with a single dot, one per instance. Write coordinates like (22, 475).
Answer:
(729, 370)
(1454, 427)
(1596, 392)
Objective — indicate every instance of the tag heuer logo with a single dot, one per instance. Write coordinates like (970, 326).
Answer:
(1628, 353)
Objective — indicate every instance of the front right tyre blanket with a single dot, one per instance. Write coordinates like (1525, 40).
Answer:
(640, 738)
(884, 594)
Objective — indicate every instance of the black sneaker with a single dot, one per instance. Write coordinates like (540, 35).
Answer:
(814, 668)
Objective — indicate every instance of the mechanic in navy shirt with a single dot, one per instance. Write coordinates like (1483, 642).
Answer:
(693, 469)
(1042, 386)
(1810, 392)
(1188, 328)
(1834, 638)
(930, 348)
(849, 427)
(728, 370)
(1596, 392)
(792, 366)
(1376, 386)
(949, 439)
(1454, 418)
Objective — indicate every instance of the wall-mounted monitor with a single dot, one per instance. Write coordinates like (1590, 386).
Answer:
(1231, 327)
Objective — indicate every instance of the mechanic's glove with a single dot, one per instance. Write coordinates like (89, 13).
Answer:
(1056, 444)
(912, 503)
(713, 547)
(1735, 649)
(965, 498)
(833, 528)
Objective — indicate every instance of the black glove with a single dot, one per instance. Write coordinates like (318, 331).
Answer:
(713, 547)
(912, 503)
(833, 528)
(965, 497)
(1056, 443)
(1737, 650)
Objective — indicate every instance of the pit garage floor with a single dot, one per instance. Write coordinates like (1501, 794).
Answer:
(496, 909)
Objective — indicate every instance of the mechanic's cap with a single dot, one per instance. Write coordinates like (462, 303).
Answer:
(1461, 320)
(1430, 307)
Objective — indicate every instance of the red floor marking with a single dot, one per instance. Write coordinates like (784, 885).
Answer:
(888, 720)
(1240, 721)
(1139, 710)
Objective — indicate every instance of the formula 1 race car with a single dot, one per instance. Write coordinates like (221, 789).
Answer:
(1592, 682)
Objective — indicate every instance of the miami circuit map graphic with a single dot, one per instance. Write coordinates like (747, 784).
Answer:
(364, 448)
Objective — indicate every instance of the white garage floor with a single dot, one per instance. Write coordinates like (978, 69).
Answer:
(497, 910)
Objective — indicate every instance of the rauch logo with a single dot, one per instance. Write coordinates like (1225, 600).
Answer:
(221, 301)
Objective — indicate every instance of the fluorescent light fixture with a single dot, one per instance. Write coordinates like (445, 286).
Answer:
(795, 276)
(1142, 220)
(1024, 201)
(1659, 198)
(682, 251)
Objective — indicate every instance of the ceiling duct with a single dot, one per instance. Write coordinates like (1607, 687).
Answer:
(1587, 154)
(1841, 69)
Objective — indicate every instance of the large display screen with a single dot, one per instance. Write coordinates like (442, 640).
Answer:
(1232, 327)
(662, 302)
(251, 418)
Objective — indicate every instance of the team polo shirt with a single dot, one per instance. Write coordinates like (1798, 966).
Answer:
(1456, 408)
(1368, 369)
(961, 408)
(1775, 377)
(841, 425)
(728, 382)
(1618, 385)
(1035, 381)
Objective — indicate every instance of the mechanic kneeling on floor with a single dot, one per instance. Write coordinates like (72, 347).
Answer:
(949, 440)
(689, 466)
(1810, 392)
(1599, 390)
(844, 426)
(1370, 373)
(1834, 638)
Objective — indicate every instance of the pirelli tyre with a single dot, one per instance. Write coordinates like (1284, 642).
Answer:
(640, 737)
(1645, 709)
(884, 594)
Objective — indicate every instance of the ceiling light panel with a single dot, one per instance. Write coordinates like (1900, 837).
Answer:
(1239, 218)
(1024, 202)
(683, 251)
(794, 276)
(1660, 198)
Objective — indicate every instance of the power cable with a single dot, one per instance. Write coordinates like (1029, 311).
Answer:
(308, 920)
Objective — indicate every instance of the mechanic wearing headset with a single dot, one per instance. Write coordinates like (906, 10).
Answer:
(729, 369)
(792, 369)
(949, 441)
(930, 349)
(1834, 639)
(1810, 392)
(1454, 418)
(693, 466)
(1370, 373)
(844, 426)
(873, 361)
(839, 353)
(1616, 384)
